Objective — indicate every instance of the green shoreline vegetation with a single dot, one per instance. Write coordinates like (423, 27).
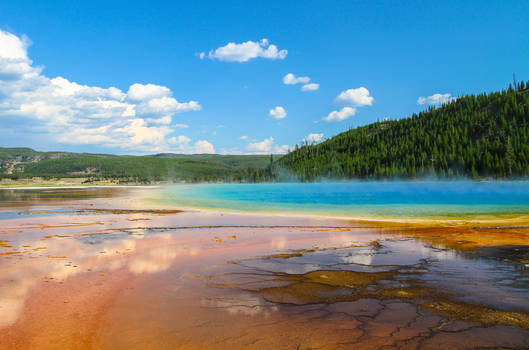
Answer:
(24, 166)
(474, 136)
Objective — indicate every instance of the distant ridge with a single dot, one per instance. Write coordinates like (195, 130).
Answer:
(16, 163)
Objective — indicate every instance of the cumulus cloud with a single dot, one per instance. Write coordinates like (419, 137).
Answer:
(12, 46)
(139, 92)
(246, 51)
(183, 145)
(310, 87)
(267, 146)
(291, 79)
(14, 63)
(278, 112)
(203, 146)
(165, 106)
(337, 116)
(435, 99)
(180, 140)
(244, 137)
(355, 97)
(139, 119)
(282, 149)
(262, 146)
(351, 98)
(313, 138)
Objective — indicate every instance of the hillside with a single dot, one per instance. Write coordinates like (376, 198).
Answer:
(26, 163)
(474, 136)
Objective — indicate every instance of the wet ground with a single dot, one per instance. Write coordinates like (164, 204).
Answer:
(98, 269)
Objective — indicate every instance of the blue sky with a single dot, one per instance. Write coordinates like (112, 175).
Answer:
(371, 59)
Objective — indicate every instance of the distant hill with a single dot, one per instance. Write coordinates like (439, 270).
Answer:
(244, 161)
(13, 159)
(27, 163)
(474, 136)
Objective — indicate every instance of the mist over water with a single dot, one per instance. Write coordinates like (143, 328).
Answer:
(358, 199)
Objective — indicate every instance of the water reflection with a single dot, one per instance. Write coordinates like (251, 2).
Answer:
(240, 277)
(244, 304)
(31, 197)
(55, 260)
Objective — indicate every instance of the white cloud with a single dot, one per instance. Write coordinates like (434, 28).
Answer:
(313, 138)
(246, 51)
(355, 97)
(203, 146)
(12, 46)
(310, 87)
(337, 116)
(263, 146)
(282, 149)
(139, 92)
(267, 146)
(14, 63)
(166, 105)
(160, 121)
(139, 133)
(138, 120)
(183, 145)
(180, 140)
(291, 79)
(435, 99)
(244, 137)
(352, 98)
(278, 112)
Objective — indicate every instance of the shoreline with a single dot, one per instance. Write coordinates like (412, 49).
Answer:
(54, 187)
(495, 221)
(68, 183)
(478, 220)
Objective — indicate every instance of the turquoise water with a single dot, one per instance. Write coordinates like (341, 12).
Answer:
(358, 199)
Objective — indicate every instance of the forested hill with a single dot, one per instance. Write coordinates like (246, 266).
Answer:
(475, 136)
(24, 163)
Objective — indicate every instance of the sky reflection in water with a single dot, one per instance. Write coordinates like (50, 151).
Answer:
(165, 267)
